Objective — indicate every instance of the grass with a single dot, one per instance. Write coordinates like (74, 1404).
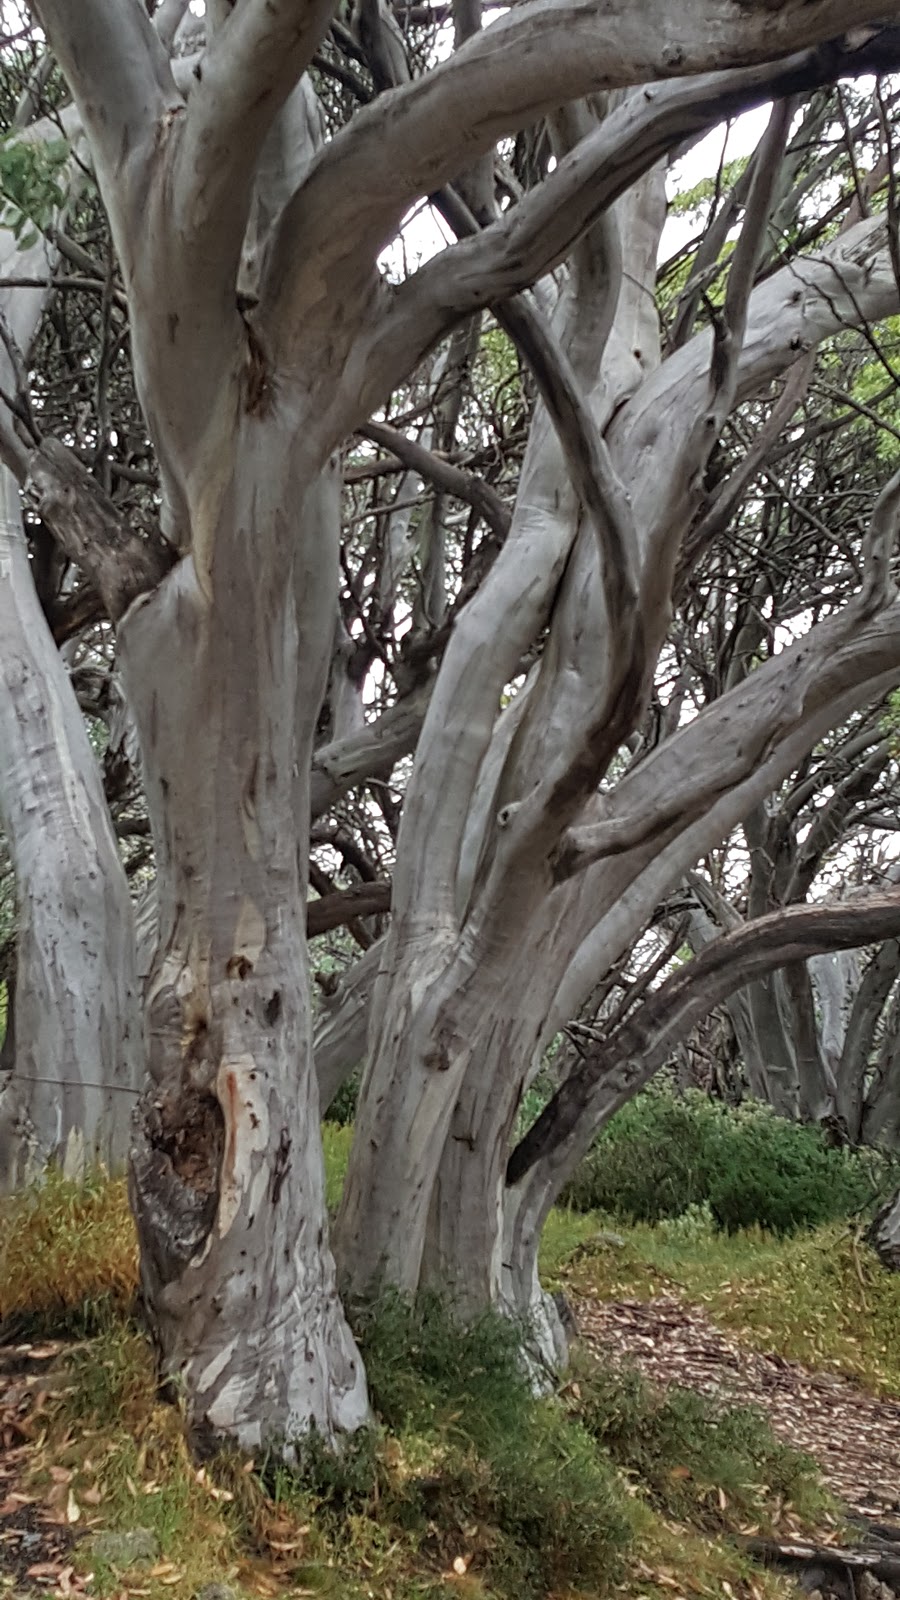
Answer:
(705, 1463)
(565, 1232)
(821, 1298)
(677, 1560)
(68, 1253)
(465, 1485)
(336, 1142)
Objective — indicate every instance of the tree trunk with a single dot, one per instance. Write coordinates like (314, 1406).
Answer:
(866, 1073)
(463, 1254)
(881, 1114)
(525, 1211)
(884, 1235)
(420, 1046)
(78, 1054)
(227, 1170)
(815, 1083)
(457, 1019)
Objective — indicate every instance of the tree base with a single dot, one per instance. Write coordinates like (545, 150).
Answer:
(884, 1234)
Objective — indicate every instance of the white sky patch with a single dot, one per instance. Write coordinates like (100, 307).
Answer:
(728, 142)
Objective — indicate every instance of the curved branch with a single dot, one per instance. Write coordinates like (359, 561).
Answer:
(118, 72)
(635, 633)
(682, 780)
(592, 472)
(466, 486)
(538, 233)
(256, 58)
(845, 285)
(620, 1065)
(414, 139)
(167, 19)
(335, 910)
(371, 753)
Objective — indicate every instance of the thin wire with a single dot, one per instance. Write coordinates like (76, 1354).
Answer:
(76, 1083)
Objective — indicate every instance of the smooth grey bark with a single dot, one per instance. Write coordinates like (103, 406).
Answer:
(835, 980)
(372, 752)
(75, 1055)
(78, 1056)
(226, 658)
(227, 1177)
(224, 661)
(442, 1084)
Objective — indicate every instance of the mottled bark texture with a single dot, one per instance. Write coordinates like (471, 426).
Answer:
(516, 889)
(78, 1057)
(73, 1060)
(516, 883)
(227, 1177)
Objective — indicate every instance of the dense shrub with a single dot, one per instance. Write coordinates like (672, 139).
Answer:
(541, 1502)
(664, 1153)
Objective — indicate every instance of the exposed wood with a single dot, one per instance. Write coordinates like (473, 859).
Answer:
(119, 562)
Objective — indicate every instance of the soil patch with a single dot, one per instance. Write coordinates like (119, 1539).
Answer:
(35, 1534)
(854, 1436)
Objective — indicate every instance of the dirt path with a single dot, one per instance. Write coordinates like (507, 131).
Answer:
(854, 1437)
(35, 1535)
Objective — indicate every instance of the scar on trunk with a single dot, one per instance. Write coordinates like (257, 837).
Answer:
(257, 378)
(281, 1164)
(189, 1131)
(174, 1181)
(230, 1113)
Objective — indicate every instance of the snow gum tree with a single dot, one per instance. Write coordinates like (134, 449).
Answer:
(74, 1026)
(531, 852)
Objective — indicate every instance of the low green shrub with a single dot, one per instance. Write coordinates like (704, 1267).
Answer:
(475, 1462)
(664, 1154)
(694, 1458)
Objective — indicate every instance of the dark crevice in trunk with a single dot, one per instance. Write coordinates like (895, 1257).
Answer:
(176, 1161)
